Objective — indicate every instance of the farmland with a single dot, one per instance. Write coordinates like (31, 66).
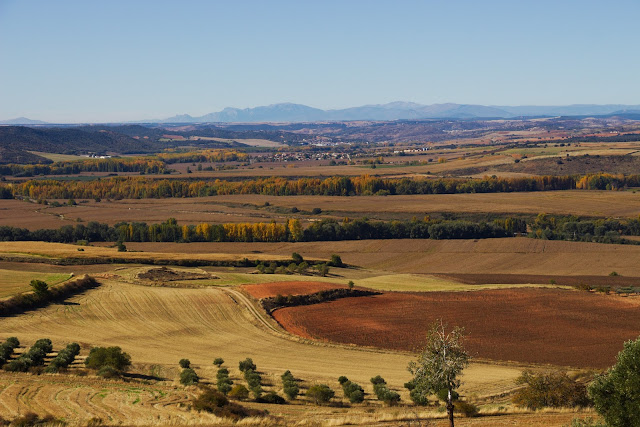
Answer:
(522, 301)
(553, 326)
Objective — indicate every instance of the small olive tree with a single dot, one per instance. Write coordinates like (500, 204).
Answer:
(440, 363)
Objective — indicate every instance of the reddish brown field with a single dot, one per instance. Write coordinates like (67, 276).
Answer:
(594, 281)
(548, 326)
(266, 290)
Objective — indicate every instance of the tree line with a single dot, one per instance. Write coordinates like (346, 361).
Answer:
(554, 227)
(291, 231)
(145, 188)
(156, 164)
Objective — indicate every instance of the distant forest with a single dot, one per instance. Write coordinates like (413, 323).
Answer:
(144, 188)
(547, 227)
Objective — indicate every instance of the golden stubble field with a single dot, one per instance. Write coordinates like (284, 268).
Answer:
(158, 326)
(519, 255)
(251, 208)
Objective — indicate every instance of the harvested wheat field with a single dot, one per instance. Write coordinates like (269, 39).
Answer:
(266, 290)
(547, 326)
(80, 399)
(519, 255)
(159, 325)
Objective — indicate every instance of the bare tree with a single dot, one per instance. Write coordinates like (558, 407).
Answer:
(440, 363)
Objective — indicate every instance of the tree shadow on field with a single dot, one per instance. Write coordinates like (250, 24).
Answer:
(67, 303)
(133, 376)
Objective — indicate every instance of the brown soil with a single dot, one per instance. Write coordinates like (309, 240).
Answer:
(266, 290)
(594, 281)
(548, 326)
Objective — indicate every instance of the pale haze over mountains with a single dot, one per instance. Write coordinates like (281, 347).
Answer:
(289, 112)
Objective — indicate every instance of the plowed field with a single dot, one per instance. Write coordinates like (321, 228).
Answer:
(560, 327)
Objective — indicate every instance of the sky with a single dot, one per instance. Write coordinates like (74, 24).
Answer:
(69, 61)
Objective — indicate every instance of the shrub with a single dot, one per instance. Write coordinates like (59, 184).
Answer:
(465, 408)
(34, 357)
(271, 397)
(40, 288)
(297, 258)
(246, 364)
(239, 392)
(189, 377)
(291, 389)
(7, 348)
(218, 404)
(335, 261)
(108, 372)
(553, 389)
(352, 391)
(383, 393)
(121, 247)
(223, 381)
(613, 274)
(218, 361)
(320, 393)
(114, 357)
(185, 363)
(64, 358)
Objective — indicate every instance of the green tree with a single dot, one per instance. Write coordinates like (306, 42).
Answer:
(218, 361)
(297, 258)
(616, 393)
(320, 393)
(335, 261)
(40, 288)
(185, 363)
(114, 357)
(440, 363)
(189, 377)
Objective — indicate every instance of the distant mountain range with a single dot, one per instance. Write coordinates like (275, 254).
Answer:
(288, 112)
(22, 121)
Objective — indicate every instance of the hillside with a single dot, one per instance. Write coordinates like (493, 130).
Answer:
(71, 141)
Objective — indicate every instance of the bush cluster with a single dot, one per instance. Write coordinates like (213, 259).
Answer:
(382, 391)
(352, 391)
(7, 348)
(254, 380)
(290, 385)
(553, 389)
(64, 358)
(34, 357)
(108, 361)
(189, 377)
(217, 403)
(320, 393)
(223, 382)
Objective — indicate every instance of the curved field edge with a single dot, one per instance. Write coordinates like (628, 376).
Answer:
(539, 326)
(163, 325)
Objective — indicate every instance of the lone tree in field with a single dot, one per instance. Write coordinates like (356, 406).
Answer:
(616, 393)
(440, 363)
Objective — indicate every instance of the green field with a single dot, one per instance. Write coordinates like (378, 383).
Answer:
(13, 282)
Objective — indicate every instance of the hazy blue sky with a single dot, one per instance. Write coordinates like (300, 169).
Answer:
(67, 61)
